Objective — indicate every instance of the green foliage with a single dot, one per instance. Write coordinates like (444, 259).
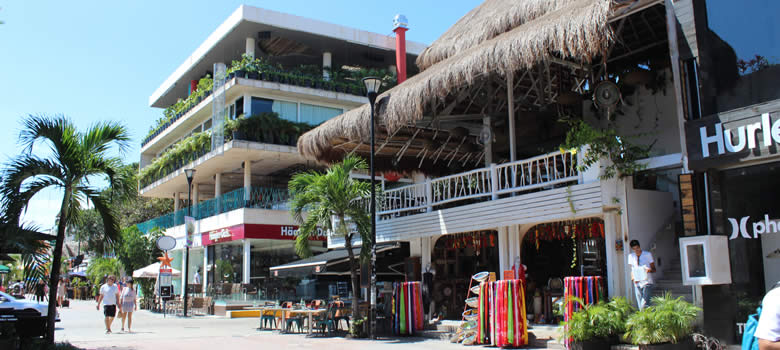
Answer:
(358, 328)
(181, 106)
(137, 250)
(605, 144)
(334, 194)
(668, 320)
(602, 320)
(263, 127)
(100, 267)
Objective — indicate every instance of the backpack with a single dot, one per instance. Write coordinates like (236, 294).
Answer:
(749, 341)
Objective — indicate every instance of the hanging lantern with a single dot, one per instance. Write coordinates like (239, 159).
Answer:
(391, 176)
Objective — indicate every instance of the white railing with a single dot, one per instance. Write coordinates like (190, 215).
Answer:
(540, 172)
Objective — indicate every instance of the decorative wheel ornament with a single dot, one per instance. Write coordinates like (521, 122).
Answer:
(485, 135)
(606, 97)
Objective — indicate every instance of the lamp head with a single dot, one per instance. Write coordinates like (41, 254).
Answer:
(372, 84)
(190, 173)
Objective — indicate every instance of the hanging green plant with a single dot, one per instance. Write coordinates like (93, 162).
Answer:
(606, 143)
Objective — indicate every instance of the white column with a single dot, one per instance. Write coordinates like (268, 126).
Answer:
(250, 47)
(247, 104)
(415, 248)
(326, 63)
(218, 189)
(503, 251)
(204, 277)
(513, 250)
(176, 201)
(247, 179)
(247, 259)
(511, 114)
(614, 275)
(425, 253)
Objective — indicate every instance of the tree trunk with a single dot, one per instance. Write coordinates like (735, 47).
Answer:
(55, 267)
(355, 279)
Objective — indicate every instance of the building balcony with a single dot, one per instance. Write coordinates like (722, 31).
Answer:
(256, 198)
(197, 108)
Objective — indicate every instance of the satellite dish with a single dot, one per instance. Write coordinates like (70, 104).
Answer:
(485, 135)
(166, 243)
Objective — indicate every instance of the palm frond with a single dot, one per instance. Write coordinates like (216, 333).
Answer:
(100, 136)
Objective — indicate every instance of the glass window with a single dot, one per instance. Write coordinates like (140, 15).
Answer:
(207, 125)
(316, 115)
(740, 54)
(240, 106)
(286, 110)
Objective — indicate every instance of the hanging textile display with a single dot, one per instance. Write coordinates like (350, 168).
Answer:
(588, 289)
(502, 318)
(407, 308)
(580, 229)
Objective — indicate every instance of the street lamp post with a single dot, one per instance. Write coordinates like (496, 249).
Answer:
(190, 173)
(372, 90)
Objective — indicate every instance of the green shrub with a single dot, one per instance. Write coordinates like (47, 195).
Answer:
(668, 320)
(599, 321)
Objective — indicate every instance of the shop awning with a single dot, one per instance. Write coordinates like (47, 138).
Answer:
(318, 264)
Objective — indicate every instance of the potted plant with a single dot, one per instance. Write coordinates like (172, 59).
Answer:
(666, 325)
(597, 326)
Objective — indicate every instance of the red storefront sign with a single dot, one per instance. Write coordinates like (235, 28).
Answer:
(257, 231)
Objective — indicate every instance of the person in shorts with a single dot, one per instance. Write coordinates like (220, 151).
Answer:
(127, 305)
(109, 295)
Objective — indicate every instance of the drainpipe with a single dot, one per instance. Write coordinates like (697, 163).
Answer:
(400, 26)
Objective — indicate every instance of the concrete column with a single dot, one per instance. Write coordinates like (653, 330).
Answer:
(204, 277)
(247, 260)
(218, 190)
(326, 63)
(513, 250)
(247, 179)
(614, 275)
(503, 251)
(247, 105)
(250, 47)
(176, 202)
(489, 143)
(415, 247)
(425, 253)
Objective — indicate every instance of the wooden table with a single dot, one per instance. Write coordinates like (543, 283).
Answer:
(309, 312)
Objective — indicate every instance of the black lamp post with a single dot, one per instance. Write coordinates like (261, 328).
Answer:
(372, 90)
(190, 173)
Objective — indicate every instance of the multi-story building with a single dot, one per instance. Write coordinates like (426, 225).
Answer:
(284, 74)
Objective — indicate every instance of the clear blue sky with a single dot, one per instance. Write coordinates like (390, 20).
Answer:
(99, 60)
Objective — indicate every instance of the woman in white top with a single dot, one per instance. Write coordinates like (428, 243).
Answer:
(127, 305)
(61, 291)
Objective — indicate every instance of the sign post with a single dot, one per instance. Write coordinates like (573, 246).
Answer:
(165, 275)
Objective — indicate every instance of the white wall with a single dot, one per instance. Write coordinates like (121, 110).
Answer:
(770, 242)
(649, 214)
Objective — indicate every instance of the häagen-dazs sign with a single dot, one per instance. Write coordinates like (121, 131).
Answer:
(732, 137)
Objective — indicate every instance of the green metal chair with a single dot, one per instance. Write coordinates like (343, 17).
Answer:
(328, 321)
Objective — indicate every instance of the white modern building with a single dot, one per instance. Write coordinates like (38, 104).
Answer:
(301, 69)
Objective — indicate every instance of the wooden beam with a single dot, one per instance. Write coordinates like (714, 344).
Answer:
(637, 50)
(510, 98)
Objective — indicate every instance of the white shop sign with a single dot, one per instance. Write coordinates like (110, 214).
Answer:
(757, 227)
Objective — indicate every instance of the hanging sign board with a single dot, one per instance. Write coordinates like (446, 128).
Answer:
(189, 225)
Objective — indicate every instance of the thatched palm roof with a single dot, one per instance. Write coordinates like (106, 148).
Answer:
(578, 30)
(484, 22)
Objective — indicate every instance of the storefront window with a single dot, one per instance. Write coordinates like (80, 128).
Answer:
(316, 115)
(739, 54)
(228, 262)
(285, 110)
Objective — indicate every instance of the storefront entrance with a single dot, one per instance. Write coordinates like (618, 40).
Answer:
(556, 250)
(455, 259)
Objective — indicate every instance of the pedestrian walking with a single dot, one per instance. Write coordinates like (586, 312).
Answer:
(109, 295)
(642, 265)
(128, 305)
(61, 291)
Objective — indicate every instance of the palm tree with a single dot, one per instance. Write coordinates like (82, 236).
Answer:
(76, 162)
(318, 198)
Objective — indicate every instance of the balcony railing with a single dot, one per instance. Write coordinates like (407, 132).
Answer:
(258, 197)
(538, 173)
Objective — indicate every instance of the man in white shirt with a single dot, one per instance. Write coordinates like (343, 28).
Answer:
(642, 265)
(196, 277)
(109, 295)
(768, 329)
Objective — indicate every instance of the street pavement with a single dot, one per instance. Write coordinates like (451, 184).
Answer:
(82, 325)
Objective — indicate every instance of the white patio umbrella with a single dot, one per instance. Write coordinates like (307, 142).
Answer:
(152, 271)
